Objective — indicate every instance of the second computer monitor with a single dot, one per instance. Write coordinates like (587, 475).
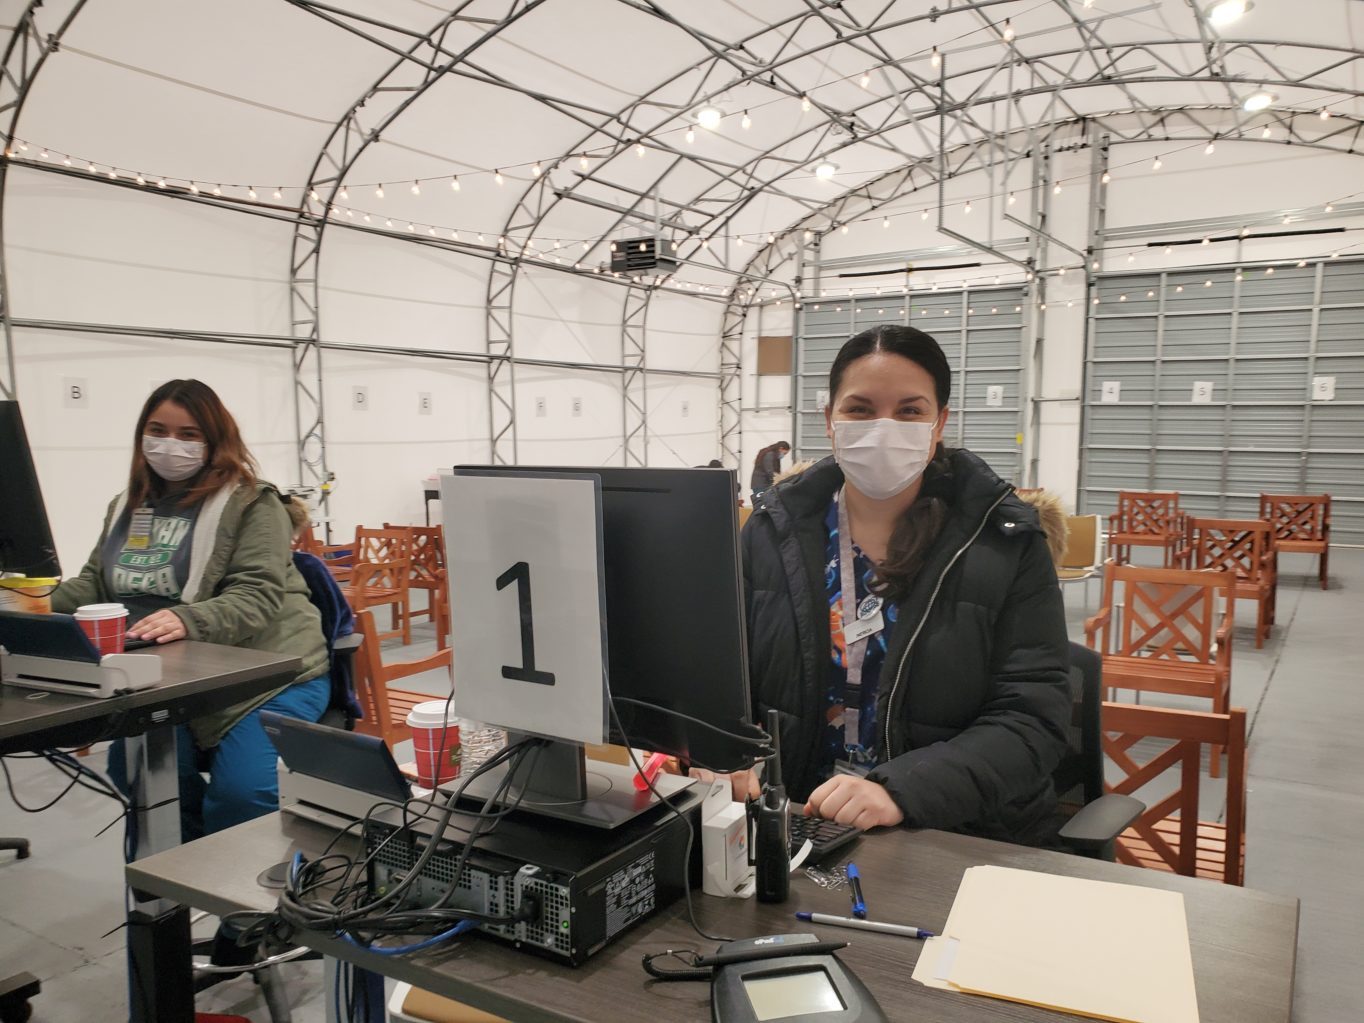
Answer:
(677, 662)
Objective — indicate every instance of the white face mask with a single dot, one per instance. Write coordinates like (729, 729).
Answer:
(173, 460)
(882, 457)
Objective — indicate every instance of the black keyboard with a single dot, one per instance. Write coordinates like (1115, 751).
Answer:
(825, 836)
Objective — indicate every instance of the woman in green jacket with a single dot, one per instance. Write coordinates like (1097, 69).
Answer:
(198, 548)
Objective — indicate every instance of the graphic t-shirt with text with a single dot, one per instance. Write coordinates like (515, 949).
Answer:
(146, 555)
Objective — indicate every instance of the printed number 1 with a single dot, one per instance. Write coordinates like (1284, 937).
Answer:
(520, 573)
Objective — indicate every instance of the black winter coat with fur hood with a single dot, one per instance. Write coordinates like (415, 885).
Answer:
(973, 701)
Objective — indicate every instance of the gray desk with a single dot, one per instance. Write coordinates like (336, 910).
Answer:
(197, 678)
(1243, 941)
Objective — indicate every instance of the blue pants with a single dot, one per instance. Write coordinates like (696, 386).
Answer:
(242, 780)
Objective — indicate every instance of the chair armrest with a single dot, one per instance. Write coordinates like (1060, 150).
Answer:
(1094, 624)
(1101, 821)
(346, 646)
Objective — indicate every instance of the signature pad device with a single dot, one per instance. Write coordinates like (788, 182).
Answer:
(769, 980)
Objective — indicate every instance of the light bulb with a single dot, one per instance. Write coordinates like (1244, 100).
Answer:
(967, 207)
(1106, 178)
(217, 190)
(1287, 219)
(1012, 199)
(866, 79)
(1325, 114)
(251, 191)
(93, 168)
(536, 170)
(1131, 257)
(1061, 272)
(1329, 207)
(42, 154)
(747, 122)
(936, 58)
(343, 195)
(1206, 239)
(845, 228)
(1056, 189)
(923, 215)
(771, 239)
(691, 135)
(412, 228)
(885, 222)
(1207, 284)
(825, 170)
(1151, 293)
(431, 231)
(497, 177)
(66, 161)
(709, 117)
(1266, 133)
(1122, 298)
(279, 193)
(312, 194)
(1224, 12)
(379, 192)
(1179, 287)
(1269, 270)
(1008, 31)
(1095, 264)
(1169, 249)
(809, 234)
(454, 183)
(739, 240)
(805, 103)
(1211, 148)
(1155, 164)
(1260, 99)
(388, 222)
(142, 181)
(416, 188)
(1302, 263)
(194, 189)
(639, 150)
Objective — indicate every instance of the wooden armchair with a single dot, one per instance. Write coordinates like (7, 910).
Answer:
(428, 573)
(1170, 835)
(1145, 518)
(339, 558)
(1244, 549)
(1174, 634)
(382, 574)
(386, 708)
(1301, 524)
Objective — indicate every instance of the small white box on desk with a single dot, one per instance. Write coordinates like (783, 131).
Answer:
(724, 844)
(114, 674)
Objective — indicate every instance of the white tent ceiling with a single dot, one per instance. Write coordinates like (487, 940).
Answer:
(567, 121)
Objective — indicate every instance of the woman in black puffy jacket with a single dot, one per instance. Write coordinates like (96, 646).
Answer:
(945, 703)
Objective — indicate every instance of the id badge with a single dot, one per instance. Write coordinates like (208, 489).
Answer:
(140, 529)
(863, 628)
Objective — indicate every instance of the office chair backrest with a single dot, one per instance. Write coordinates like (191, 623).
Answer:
(337, 623)
(1079, 778)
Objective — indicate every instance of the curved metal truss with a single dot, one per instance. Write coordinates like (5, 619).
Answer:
(25, 54)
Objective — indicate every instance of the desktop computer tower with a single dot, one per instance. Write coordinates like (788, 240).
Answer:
(579, 887)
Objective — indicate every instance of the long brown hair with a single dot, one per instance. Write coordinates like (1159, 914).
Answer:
(226, 461)
(922, 521)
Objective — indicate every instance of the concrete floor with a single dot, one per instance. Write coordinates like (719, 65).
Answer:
(60, 910)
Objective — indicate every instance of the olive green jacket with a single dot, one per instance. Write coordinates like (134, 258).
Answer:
(242, 590)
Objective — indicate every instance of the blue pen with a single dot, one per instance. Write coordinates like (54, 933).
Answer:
(859, 904)
(905, 930)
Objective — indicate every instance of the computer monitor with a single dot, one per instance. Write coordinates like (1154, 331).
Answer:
(26, 546)
(677, 657)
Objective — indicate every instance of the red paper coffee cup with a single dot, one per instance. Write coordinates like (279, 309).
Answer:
(435, 743)
(105, 624)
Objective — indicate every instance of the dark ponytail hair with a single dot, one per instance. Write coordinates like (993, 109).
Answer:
(922, 521)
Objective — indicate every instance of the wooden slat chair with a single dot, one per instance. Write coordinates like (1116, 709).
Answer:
(385, 707)
(1170, 835)
(1301, 524)
(1243, 548)
(428, 573)
(1145, 518)
(382, 575)
(339, 558)
(1174, 634)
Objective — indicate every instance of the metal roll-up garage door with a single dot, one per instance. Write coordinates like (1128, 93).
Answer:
(1203, 381)
(981, 333)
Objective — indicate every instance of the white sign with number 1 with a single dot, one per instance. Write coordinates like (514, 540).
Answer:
(527, 600)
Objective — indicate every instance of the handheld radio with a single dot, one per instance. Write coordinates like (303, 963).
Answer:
(770, 828)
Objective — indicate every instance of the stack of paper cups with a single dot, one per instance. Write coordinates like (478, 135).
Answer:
(105, 624)
(435, 742)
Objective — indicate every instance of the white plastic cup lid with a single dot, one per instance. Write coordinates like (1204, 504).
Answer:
(431, 714)
(94, 611)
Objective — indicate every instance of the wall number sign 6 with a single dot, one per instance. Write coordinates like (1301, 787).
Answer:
(520, 574)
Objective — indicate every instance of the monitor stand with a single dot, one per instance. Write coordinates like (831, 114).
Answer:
(565, 785)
